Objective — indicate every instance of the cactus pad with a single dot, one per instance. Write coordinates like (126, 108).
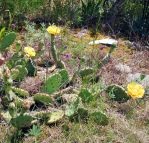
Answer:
(7, 40)
(31, 68)
(55, 117)
(85, 95)
(19, 72)
(20, 92)
(85, 72)
(22, 121)
(99, 118)
(43, 98)
(64, 77)
(117, 93)
(52, 84)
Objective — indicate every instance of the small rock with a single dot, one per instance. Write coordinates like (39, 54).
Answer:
(104, 41)
(123, 68)
(136, 77)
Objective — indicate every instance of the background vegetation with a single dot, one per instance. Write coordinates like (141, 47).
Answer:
(129, 18)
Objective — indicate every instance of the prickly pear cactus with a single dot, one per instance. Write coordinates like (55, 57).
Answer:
(19, 72)
(31, 68)
(85, 95)
(99, 118)
(117, 93)
(20, 92)
(43, 98)
(52, 84)
(86, 72)
(82, 114)
(55, 117)
(64, 77)
(22, 121)
(7, 40)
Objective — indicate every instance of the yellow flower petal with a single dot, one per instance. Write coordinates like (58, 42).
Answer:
(29, 51)
(54, 30)
(135, 90)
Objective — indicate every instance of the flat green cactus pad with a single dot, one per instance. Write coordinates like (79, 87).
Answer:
(85, 95)
(117, 93)
(19, 72)
(7, 40)
(31, 68)
(52, 84)
(55, 117)
(22, 121)
(99, 118)
(64, 77)
(43, 98)
(86, 72)
(20, 92)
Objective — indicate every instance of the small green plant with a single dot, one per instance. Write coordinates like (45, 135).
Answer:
(35, 132)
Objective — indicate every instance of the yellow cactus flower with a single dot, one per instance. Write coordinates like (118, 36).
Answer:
(54, 30)
(135, 90)
(29, 51)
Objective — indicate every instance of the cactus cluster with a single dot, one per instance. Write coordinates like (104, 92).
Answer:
(21, 105)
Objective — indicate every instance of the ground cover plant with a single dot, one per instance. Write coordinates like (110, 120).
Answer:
(68, 82)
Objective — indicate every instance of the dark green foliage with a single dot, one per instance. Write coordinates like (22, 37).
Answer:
(91, 11)
(86, 72)
(117, 93)
(85, 95)
(22, 121)
(81, 115)
(99, 118)
(31, 68)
